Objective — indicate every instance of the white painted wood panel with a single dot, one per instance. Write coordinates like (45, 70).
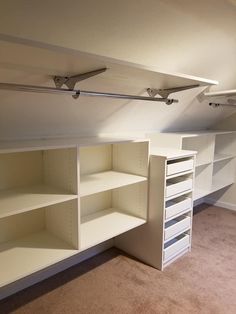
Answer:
(177, 166)
(102, 181)
(176, 226)
(105, 225)
(24, 256)
(177, 206)
(18, 200)
(174, 246)
(178, 185)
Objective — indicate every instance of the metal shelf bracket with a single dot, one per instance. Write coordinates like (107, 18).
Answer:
(165, 92)
(70, 81)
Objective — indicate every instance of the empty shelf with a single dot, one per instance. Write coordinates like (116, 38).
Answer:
(22, 257)
(104, 225)
(103, 181)
(18, 200)
(219, 185)
(219, 157)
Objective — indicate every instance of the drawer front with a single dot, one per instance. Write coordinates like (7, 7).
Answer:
(180, 166)
(178, 208)
(176, 247)
(179, 187)
(181, 225)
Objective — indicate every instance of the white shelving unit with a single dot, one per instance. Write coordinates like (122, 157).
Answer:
(60, 197)
(215, 161)
(113, 188)
(167, 235)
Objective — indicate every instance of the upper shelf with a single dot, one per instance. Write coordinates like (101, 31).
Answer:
(41, 62)
(226, 93)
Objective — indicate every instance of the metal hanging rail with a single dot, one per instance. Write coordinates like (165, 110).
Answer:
(76, 92)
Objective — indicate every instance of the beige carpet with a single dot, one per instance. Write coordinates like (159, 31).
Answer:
(203, 281)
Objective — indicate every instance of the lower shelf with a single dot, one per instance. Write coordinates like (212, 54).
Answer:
(216, 186)
(22, 257)
(104, 225)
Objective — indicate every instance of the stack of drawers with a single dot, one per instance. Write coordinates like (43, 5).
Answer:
(177, 215)
(167, 234)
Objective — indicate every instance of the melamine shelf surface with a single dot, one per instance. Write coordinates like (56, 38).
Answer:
(18, 200)
(60, 143)
(199, 193)
(104, 225)
(24, 256)
(103, 181)
(219, 157)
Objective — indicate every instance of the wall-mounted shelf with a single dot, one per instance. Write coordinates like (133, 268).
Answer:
(44, 62)
(226, 93)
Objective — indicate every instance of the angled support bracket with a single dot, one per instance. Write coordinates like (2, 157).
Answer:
(70, 81)
(152, 92)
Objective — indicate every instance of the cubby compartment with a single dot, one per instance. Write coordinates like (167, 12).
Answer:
(178, 185)
(175, 246)
(35, 179)
(223, 174)
(203, 181)
(225, 146)
(177, 225)
(107, 214)
(177, 206)
(36, 239)
(203, 144)
(179, 165)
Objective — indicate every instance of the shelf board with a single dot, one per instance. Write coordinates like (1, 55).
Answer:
(24, 256)
(120, 76)
(179, 174)
(220, 157)
(63, 142)
(103, 181)
(177, 195)
(216, 186)
(19, 200)
(204, 163)
(231, 92)
(104, 225)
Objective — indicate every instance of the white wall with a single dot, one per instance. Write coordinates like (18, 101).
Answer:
(192, 37)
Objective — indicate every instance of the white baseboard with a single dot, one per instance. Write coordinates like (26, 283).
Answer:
(52, 270)
(226, 205)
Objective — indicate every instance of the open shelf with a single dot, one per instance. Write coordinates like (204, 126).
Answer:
(203, 144)
(103, 181)
(33, 240)
(24, 199)
(220, 157)
(104, 225)
(26, 255)
(121, 75)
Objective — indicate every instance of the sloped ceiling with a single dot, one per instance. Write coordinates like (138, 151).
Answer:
(192, 37)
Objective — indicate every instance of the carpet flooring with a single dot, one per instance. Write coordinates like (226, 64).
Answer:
(203, 281)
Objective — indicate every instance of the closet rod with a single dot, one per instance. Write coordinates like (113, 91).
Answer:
(76, 93)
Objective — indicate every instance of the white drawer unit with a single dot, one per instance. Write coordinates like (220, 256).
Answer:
(167, 236)
(178, 185)
(175, 246)
(176, 226)
(179, 165)
(177, 206)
